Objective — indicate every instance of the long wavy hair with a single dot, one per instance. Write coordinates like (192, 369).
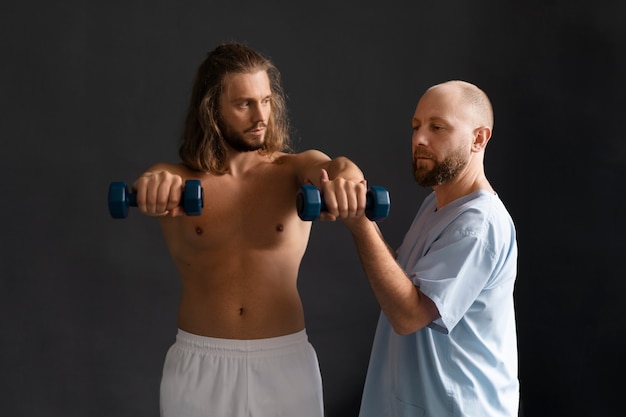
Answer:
(202, 146)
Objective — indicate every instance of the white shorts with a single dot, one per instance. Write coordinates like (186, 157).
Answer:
(210, 377)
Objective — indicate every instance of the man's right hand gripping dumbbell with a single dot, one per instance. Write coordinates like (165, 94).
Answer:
(157, 193)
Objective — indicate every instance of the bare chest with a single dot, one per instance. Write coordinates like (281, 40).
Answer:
(258, 212)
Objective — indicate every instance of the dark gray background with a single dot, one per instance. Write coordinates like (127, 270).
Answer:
(95, 91)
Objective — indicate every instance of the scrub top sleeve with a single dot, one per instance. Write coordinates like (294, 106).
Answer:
(452, 274)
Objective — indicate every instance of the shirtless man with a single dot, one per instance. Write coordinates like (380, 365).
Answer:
(241, 347)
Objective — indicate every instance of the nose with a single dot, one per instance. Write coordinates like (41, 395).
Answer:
(259, 113)
(418, 138)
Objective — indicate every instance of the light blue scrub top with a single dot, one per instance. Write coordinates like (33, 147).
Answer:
(464, 258)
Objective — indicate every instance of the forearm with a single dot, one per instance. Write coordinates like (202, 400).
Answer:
(407, 309)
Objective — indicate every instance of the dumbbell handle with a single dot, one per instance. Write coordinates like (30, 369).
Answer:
(132, 199)
(309, 203)
(120, 198)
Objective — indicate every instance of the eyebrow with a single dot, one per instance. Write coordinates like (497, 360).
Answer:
(250, 98)
(437, 119)
(430, 120)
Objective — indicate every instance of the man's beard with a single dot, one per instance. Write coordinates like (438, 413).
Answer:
(442, 172)
(239, 143)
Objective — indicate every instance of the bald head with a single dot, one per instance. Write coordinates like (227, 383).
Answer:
(452, 125)
(471, 98)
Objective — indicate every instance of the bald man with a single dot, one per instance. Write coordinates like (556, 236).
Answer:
(446, 342)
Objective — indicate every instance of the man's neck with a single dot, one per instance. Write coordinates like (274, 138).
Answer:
(459, 187)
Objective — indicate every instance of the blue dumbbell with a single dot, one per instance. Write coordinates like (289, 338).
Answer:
(310, 204)
(120, 199)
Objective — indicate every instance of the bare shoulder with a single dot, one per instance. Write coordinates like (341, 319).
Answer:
(303, 159)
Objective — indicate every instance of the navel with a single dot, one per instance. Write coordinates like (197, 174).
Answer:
(280, 227)
(199, 230)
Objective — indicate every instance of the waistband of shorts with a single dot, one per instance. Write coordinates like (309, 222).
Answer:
(196, 342)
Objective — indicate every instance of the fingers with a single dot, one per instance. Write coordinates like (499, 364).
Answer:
(324, 176)
(159, 193)
(343, 198)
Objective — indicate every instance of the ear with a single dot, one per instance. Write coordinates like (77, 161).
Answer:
(481, 137)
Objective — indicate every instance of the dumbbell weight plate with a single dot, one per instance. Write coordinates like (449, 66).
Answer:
(118, 200)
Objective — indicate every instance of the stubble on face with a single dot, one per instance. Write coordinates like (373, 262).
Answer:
(237, 140)
(239, 89)
(442, 171)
